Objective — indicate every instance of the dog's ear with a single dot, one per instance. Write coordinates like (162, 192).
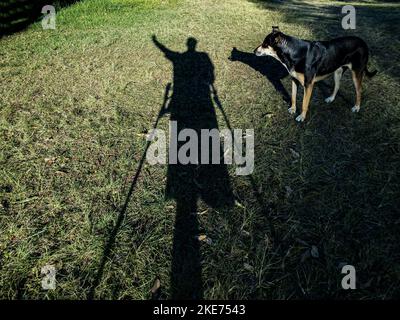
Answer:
(313, 59)
(277, 34)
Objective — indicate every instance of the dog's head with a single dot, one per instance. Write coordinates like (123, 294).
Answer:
(270, 44)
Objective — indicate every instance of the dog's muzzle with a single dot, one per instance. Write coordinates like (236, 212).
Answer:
(258, 52)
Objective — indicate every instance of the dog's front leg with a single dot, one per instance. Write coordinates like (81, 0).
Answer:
(306, 101)
(292, 108)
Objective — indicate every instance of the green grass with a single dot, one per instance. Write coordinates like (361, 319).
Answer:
(75, 102)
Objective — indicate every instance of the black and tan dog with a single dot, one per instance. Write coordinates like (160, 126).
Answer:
(311, 61)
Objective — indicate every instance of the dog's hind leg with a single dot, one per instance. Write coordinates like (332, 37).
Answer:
(338, 76)
(357, 79)
(292, 108)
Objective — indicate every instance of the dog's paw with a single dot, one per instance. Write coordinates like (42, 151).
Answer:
(292, 109)
(329, 99)
(355, 109)
(300, 118)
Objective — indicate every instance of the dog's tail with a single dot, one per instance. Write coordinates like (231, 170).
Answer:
(370, 74)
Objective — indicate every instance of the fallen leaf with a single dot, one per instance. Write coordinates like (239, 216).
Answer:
(239, 204)
(245, 233)
(268, 115)
(50, 160)
(156, 286)
(204, 238)
(156, 289)
(148, 136)
(196, 213)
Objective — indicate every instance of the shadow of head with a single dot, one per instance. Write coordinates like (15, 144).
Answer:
(191, 44)
(272, 69)
(267, 66)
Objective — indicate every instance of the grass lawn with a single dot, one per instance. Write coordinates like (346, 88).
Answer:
(76, 104)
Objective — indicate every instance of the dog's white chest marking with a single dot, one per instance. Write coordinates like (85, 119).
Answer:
(293, 74)
(274, 55)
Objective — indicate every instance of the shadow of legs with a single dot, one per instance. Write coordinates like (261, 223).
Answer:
(186, 282)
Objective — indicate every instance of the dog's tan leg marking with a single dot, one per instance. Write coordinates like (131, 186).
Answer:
(292, 108)
(299, 76)
(306, 101)
(357, 79)
(338, 76)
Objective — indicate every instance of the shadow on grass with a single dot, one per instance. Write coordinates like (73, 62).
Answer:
(267, 66)
(16, 15)
(110, 243)
(376, 22)
(344, 179)
(191, 109)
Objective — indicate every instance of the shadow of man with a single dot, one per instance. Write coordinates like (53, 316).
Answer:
(267, 66)
(191, 107)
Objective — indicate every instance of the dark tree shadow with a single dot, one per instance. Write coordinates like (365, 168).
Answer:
(191, 107)
(16, 15)
(267, 66)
